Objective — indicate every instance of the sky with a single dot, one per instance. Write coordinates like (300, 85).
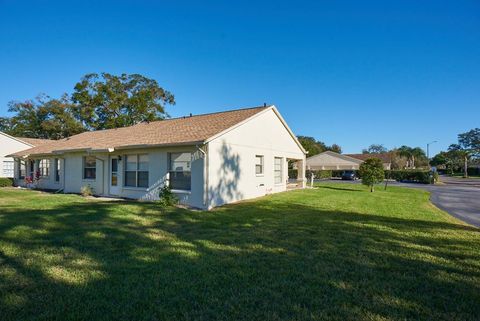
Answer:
(353, 73)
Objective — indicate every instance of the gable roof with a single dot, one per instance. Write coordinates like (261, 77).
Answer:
(334, 154)
(27, 141)
(384, 157)
(177, 131)
(34, 141)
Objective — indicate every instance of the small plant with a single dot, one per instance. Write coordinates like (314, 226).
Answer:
(166, 197)
(86, 190)
(372, 172)
(5, 182)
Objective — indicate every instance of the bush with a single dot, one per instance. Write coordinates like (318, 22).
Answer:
(166, 197)
(416, 176)
(86, 190)
(319, 174)
(6, 182)
(292, 173)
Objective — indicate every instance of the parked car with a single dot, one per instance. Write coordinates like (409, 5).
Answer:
(349, 175)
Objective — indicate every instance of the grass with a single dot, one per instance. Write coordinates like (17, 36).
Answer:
(333, 253)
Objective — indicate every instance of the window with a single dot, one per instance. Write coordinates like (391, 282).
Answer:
(114, 175)
(136, 170)
(278, 168)
(180, 171)
(259, 164)
(8, 168)
(89, 167)
(22, 169)
(44, 167)
(57, 169)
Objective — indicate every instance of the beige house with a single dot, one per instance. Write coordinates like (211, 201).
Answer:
(10, 145)
(207, 160)
(333, 161)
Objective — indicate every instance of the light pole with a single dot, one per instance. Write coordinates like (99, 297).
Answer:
(428, 149)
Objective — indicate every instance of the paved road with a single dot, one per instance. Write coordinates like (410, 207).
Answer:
(459, 197)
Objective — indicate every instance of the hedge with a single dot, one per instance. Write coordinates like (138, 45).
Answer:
(6, 182)
(417, 176)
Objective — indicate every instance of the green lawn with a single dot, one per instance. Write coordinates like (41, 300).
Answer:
(333, 253)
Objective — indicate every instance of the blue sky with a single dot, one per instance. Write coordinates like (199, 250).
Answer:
(347, 72)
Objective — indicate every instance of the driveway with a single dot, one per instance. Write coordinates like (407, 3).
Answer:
(459, 197)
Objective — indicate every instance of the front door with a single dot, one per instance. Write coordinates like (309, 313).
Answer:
(114, 182)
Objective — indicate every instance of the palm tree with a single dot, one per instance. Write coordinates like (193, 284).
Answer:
(410, 154)
(406, 152)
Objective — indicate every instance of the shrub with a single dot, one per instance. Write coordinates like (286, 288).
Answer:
(292, 173)
(319, 174)
(166, 197)
(372, 172)
(86, 190)
(6, 182)
(412, 175)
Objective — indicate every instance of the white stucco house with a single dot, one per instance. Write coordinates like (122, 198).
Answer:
(207, 160)
(10, 145)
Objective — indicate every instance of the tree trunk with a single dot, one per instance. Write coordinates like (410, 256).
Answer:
(413, 162)
(465, 166)
(372, 189)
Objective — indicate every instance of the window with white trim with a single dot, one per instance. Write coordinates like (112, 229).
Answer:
(8, 168)
(89, 167)
(278, 170)
(44, 167)
(259, 164)
(180, 171)
(136, 170)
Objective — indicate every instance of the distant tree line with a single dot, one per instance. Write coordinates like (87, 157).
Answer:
(98, 101)
(458, 156)
(314, 147)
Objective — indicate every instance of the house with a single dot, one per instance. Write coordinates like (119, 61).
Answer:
(386, 158)
(10, 145)
(334, 161)
(207, 160)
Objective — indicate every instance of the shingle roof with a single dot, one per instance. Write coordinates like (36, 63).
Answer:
(177, 131)
(34, 141)
(385, 157)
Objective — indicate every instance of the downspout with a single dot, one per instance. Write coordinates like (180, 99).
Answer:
(205, 175)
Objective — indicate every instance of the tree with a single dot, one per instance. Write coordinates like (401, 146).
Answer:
(471, 141)
(108, 101)
(440, 159)
(371, 171)
(459, 152)
(335, 148)
(311, 145)
(42, 118)
(375, 149)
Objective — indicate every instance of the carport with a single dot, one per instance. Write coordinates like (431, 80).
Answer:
(332, 161)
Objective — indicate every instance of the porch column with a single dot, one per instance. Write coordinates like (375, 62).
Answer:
(301, 179)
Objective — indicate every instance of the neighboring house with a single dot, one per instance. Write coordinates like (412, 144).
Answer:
(333, 161)
(207, 160)
(386, 158)
(10, 145)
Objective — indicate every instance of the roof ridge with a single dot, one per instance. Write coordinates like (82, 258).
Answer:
(206, 114)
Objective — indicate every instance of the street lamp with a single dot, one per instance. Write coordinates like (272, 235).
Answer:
(428, 149)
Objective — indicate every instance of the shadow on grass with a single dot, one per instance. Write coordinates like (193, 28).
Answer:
(252, 261)
(341, 188)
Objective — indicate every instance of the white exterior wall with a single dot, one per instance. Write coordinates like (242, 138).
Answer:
(157, 175)
(231, 159)
(8, 146)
